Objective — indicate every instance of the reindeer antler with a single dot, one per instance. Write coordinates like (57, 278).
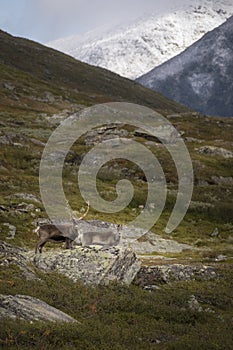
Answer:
(86, 212)
(72, 217)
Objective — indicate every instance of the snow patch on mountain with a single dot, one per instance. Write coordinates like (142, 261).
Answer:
(201, 77)
(134, 49)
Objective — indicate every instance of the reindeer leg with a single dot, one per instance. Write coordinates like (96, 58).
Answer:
(68, 243)
(39, 246)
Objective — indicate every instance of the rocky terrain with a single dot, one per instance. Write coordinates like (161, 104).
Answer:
(153, 291)
(28, 308)
(135, 48)
(201, 76)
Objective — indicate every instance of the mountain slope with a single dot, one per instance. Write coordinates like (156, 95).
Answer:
(26, 66)
(202, 76)
(137, 48)
(192, 303)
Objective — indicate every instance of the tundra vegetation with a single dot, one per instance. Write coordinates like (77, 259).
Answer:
(114, 316)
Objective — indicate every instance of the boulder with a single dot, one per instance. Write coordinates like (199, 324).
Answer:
(26, 197)
(11, 255)
(155, 244)
(161, 274)
(92, 265)
(27, 308)
(12, 230)
(221, 180)
(215, 151)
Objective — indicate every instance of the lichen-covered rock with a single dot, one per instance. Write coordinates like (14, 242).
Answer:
(215, 151)
(92, 265)
(152, 242)
(26, 197)
(221, 180)
(12, 230)
(30, 309)
(10, 255)
(161, 274)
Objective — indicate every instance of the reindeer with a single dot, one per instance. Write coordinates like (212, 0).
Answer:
(66, 232)
(105, 238)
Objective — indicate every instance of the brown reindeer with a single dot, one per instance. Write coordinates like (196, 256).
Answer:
(66, 232)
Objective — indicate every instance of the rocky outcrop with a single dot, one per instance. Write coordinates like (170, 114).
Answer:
(10, 255)
(215, 151)
(27, 308)
(12, 230)
(155, 243)
(26, 197)
(221, 180)
(161, 274)
(92, 265)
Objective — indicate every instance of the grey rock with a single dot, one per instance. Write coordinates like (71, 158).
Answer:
(92, 265)
(221, 180)
(105, 133)
(161, 274)
(49, 97)
(155, 243)
(27, 308)
(193, 139)
(215, 151)
(12, 138)
(9, 86)
(200, 205)
(10, 255)
(12, 230)
(215, 233)
(26, 197)
(221, 258)
(152, 287)
(4, 140)
(24, 208)
(194, 305)
(37, 142)
(56, 119)
(201, 182)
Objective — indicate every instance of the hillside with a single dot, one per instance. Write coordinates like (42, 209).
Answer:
(202, 76)
(181, 298)
(33, 73)
(135, 48)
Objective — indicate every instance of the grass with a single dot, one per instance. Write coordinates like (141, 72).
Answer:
(20, 174)
(120, 317)
(70, 80)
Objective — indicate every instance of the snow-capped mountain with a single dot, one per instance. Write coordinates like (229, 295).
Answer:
(134, 49)
(201, 77)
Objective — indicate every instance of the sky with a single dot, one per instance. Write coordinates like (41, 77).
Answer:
(46, 20)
